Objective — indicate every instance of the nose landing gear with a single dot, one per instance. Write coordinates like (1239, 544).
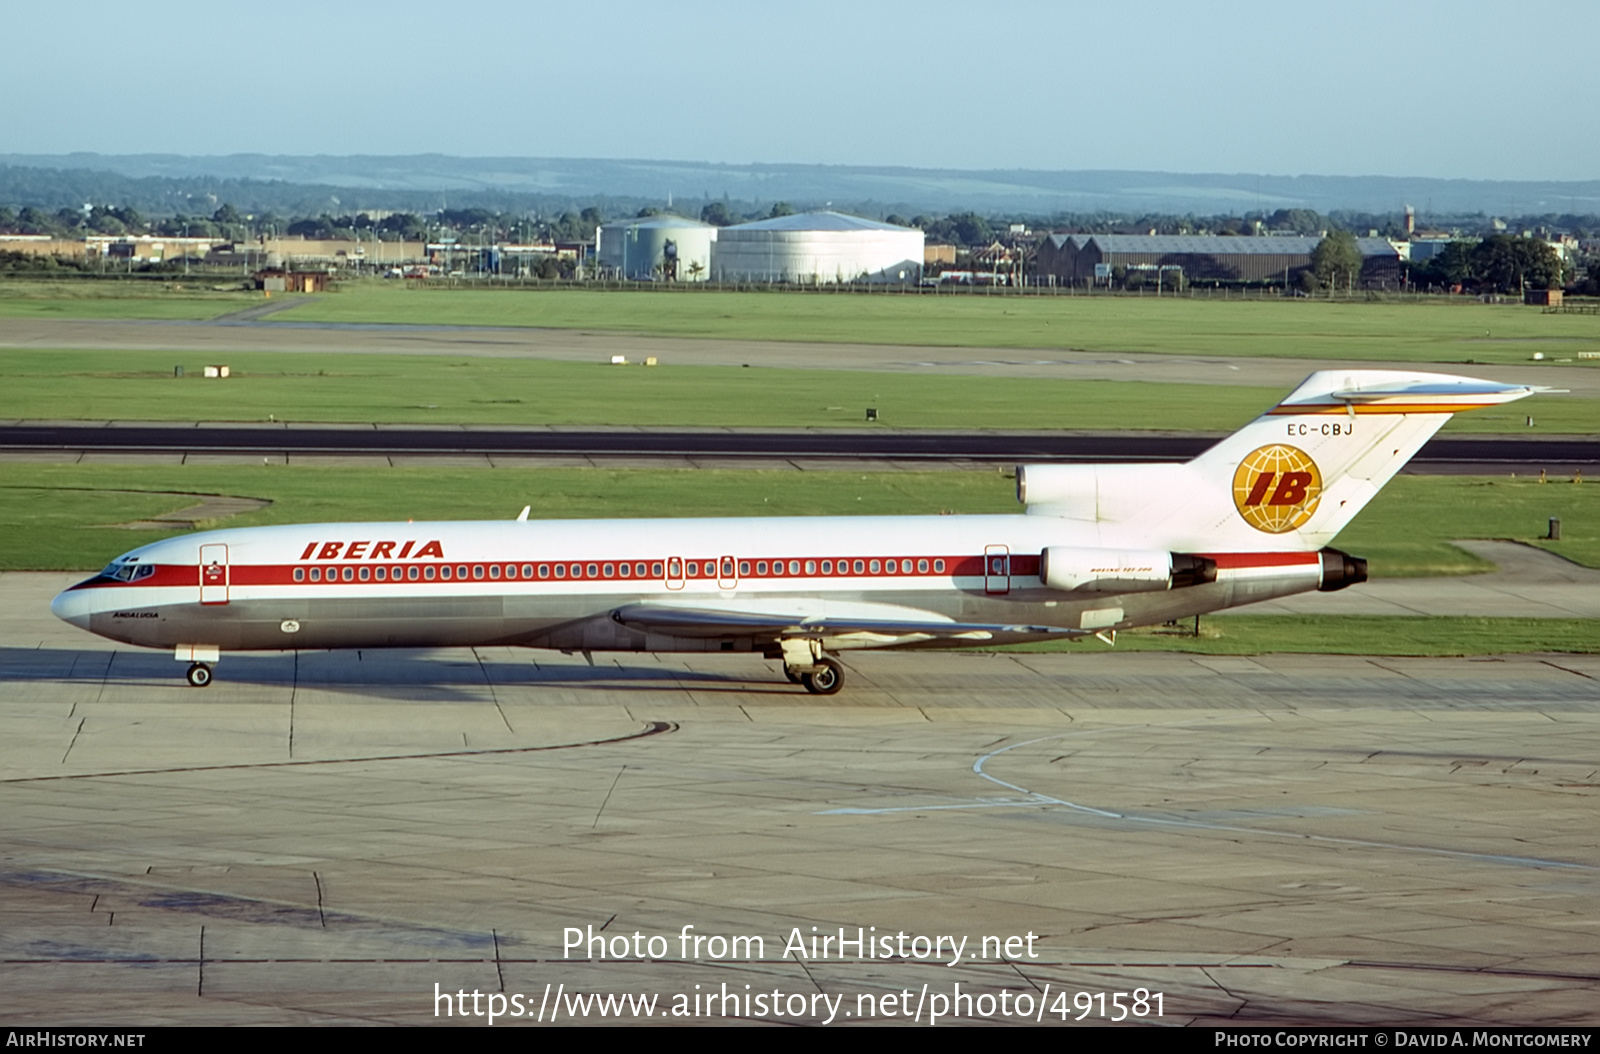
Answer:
(200, 658)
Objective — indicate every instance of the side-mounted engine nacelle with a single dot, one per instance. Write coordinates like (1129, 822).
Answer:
(1122, 571)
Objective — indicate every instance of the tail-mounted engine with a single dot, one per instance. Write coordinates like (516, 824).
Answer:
(1340, 569)
(1122, 571)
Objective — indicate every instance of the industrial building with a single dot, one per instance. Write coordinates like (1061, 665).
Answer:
(817, 248)
(666, 248)
(1084, 258)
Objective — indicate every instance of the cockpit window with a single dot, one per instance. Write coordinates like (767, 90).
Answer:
(131, 571)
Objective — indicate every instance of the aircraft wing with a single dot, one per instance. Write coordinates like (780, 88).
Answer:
(712, 622)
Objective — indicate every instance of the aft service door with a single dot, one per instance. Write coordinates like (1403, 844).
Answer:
(996, 569)
(213, 574)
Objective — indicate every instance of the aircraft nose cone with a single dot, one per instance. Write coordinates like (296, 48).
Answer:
(72, 606)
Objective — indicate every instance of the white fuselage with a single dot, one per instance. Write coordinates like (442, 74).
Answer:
(558, 583)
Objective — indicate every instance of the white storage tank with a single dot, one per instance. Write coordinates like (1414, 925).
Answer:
(813, 248)
(661, 248)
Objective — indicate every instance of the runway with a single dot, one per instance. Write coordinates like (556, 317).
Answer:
(122, 439)
(323, 837)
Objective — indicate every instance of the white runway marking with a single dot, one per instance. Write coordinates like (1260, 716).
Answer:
(1034, 799)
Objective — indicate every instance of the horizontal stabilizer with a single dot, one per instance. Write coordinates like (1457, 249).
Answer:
(1394, 392)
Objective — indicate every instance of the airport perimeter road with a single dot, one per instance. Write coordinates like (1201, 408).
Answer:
(326, 837)
(1448, 454)
(579, 346)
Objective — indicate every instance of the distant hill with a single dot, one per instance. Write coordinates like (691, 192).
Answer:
(432, 180)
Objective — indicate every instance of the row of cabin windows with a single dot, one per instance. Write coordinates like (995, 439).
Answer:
(674, 568)
(426, 572)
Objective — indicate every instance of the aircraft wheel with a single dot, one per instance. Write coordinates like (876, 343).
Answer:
(794, 678)
(199, 675)
(826, 679)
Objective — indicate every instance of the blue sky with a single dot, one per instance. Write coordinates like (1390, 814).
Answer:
(1457, 90)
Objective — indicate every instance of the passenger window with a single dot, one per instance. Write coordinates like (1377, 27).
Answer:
(938, 567)
(544, 570)
(827, 567)
(692, 569)
(411, 573)
(477, 570)
(794, 567)
(494, 571)
(527, 570)
(349, 574)
(860, 566)
(889, 566)
(561, 570)
(611, 569)
(461, 571)
(811, 567)
(623, 570)
(381, 574)
(872, 566)
(316, 574)
(592, 571)
(922, 567)
(638, 570)
(299, 574)
(761, 567)
(444, 573)
(727, 568)
(744, 567)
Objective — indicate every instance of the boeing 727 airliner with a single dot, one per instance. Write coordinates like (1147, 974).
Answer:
(1098, 548)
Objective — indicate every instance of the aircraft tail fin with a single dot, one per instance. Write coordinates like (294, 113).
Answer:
(1291, 479)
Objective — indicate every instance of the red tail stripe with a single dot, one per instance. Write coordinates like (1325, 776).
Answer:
(1227, 561)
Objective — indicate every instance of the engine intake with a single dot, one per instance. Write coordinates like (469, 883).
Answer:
(1122, 571)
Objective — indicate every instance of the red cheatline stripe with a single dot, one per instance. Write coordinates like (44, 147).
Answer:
(240, 574)
(1022, 565)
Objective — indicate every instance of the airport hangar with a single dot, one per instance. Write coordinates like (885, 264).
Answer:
(1083, 259)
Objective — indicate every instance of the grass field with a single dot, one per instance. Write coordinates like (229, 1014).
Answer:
(57, 516)
(1412, 331)
(1432, 331)
(139, 385)
(166, 301)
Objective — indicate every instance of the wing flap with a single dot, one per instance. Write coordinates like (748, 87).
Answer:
(711, 622)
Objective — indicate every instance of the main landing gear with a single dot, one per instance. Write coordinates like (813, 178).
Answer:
(804, 664)
(199, 675)
(825, 677)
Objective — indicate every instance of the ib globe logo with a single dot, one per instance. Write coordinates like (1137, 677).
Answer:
(1276, 488)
